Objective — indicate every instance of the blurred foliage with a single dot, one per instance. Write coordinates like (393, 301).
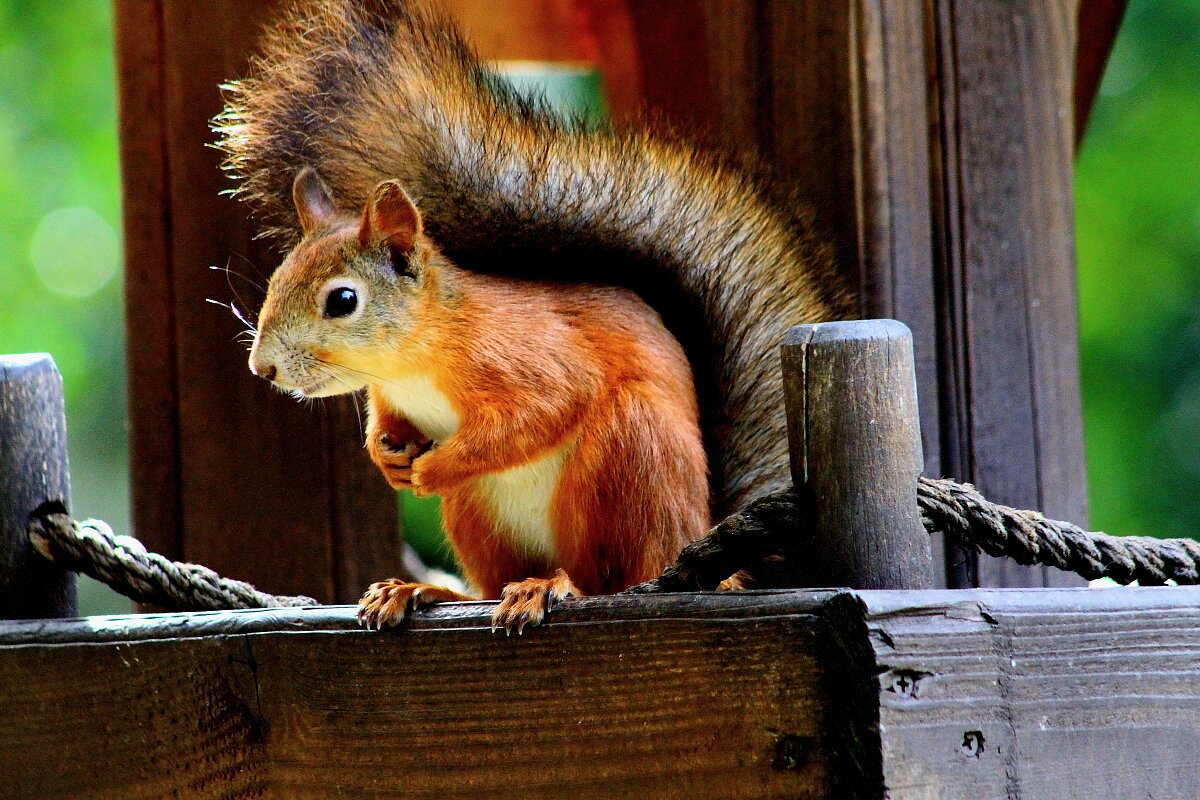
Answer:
(59, 236)
(1138, 229)
(1138, 179)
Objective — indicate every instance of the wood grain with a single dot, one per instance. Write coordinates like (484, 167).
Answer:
(226, 472)
(1040, 694)
(34, 476)
(672, 697)
(149, 308)
(856, 451)
(1006, 265)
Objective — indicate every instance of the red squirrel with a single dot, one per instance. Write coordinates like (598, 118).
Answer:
(562, 418)
(488, 269)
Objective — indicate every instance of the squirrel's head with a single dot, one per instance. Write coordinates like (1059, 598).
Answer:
(349, 297)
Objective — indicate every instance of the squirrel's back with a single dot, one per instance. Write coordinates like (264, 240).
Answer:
(386, 89)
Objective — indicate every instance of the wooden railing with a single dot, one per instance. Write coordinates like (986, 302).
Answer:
(1034, 694)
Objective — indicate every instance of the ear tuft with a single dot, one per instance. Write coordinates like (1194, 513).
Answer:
(392, 218)
(313, 199)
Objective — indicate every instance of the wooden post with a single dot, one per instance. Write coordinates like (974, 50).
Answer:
(856, 449)
(226, 471)
(34, 475)
(1003, 155)
(934, 141)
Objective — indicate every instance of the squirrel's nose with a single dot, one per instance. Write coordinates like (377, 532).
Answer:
(265, 371)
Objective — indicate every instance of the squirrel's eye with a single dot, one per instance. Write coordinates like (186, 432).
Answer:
(340, 302)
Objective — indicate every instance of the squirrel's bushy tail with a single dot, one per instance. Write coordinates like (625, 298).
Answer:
(369, 91)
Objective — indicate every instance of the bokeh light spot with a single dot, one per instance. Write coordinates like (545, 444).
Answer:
(74, 251)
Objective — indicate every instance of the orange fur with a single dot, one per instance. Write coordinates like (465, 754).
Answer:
(534, 367)
(573, 396)
(367, 92)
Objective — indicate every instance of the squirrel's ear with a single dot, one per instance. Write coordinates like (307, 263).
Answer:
(390, 217)
(313, 199)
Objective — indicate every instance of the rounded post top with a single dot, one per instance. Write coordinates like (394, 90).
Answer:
(847, 330)
(18, 365)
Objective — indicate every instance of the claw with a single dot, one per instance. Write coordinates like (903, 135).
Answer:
(527, 602)
(392, 601)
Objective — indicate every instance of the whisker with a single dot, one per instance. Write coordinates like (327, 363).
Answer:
(232, 306)
(235, 311)
(230, 272)
(250, 263)
(372, 376)
(238, 313)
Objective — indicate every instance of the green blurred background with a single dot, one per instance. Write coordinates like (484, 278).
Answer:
(1138, 209)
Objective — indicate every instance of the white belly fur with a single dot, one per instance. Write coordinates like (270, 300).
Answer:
(520, 499)
(421, 403)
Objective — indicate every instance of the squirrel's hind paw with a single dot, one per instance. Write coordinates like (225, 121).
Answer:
(390, 602)
(528, 602)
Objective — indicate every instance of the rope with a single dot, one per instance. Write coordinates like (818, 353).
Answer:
(776, 522)
(124, 564)
(780, 521)
(1027, 537)
(762, 528)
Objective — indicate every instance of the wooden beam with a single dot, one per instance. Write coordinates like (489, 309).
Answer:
(1011, 419)
(669, 697)
(149, 295)
(1042, 694)
(34, 476)
(934, 140)
(1099, 22)
(226, 472)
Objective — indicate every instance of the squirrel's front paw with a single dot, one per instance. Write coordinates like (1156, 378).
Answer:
(528, 602)
(390, 602)
(395, 459)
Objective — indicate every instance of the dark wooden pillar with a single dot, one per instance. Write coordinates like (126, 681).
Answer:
(225, 471)
(935, 141)
(1006, 259)
(34, 477)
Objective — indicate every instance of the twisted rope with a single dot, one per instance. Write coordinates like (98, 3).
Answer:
(124, 564)
(762, 528)
(1027, 537)
(776, 522)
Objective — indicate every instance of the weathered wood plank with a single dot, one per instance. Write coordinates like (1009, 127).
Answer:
(1044, 694)
(1006, 259)
(34, 476)
(856, 451)
(1061, 694)
(684, 696)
